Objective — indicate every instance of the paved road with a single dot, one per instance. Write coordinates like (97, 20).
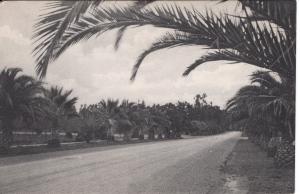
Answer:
(179, 166)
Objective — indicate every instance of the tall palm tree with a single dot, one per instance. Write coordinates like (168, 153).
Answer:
(91, 119)
(266, 98)
(142, 117)
(265, 37)
(61, 105)
(160, 117)
(109, 110)
(20, 98)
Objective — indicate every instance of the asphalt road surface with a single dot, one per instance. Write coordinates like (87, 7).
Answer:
(174, 167)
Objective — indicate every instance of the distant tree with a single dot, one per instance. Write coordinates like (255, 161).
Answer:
(109, 110)
(60, 105)
(89, 115)
(160, 117)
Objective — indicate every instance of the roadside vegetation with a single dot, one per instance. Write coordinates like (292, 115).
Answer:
(48, 115)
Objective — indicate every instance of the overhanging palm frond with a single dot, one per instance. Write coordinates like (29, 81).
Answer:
(225, 55)
(282, 13)
(120, 35)
(138, 4)
(100, 21)
(143, 3)
(250, 40)
(265, 49)
(51, 28)
(265, 79)
(169, 40)
(260, 43)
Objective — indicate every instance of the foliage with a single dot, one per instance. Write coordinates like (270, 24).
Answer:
(61, 106)
(168, 120)
(54, 143)
(252, 39)
(268, 102)
(25, 99)
(20, 98)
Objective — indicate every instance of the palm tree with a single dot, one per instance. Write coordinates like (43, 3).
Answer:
(109, 109)
(264, 37)
(161, 119)
(95, 117)
(266, 99)
(142, 117)
(265, 108)
(20, 98)
(89, 115)
(61, 106)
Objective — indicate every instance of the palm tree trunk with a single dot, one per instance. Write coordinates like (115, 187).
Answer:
(141, 134)
(126, 137)
(151, 135)
(290, 131)
(167, 133)
(110, 134)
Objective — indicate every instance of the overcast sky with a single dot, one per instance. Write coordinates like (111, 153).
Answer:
(94, 70)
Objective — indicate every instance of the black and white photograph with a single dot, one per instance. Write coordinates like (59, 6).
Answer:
(148, 97)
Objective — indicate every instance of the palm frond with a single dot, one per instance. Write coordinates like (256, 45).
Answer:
(224, 55)
(51, 28)
(269, 99)
(249, 39)
(169, 40)
(120, 36)
(60, 100)
(264, 79)
(282, 13)
(18, 95)
(143, 3)
(279, 107)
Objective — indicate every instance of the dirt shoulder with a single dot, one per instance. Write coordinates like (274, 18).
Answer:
(249, 170)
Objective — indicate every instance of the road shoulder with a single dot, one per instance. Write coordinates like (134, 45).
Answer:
(249, 170)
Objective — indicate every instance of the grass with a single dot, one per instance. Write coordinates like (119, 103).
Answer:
(249, 169)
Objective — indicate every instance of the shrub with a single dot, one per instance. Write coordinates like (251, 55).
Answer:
(69, 135)
(4, 150)
(53, 143)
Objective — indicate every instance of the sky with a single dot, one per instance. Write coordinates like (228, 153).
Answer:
(95, 70)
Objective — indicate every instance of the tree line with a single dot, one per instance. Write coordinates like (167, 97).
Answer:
(30, 104)
(170, 120)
